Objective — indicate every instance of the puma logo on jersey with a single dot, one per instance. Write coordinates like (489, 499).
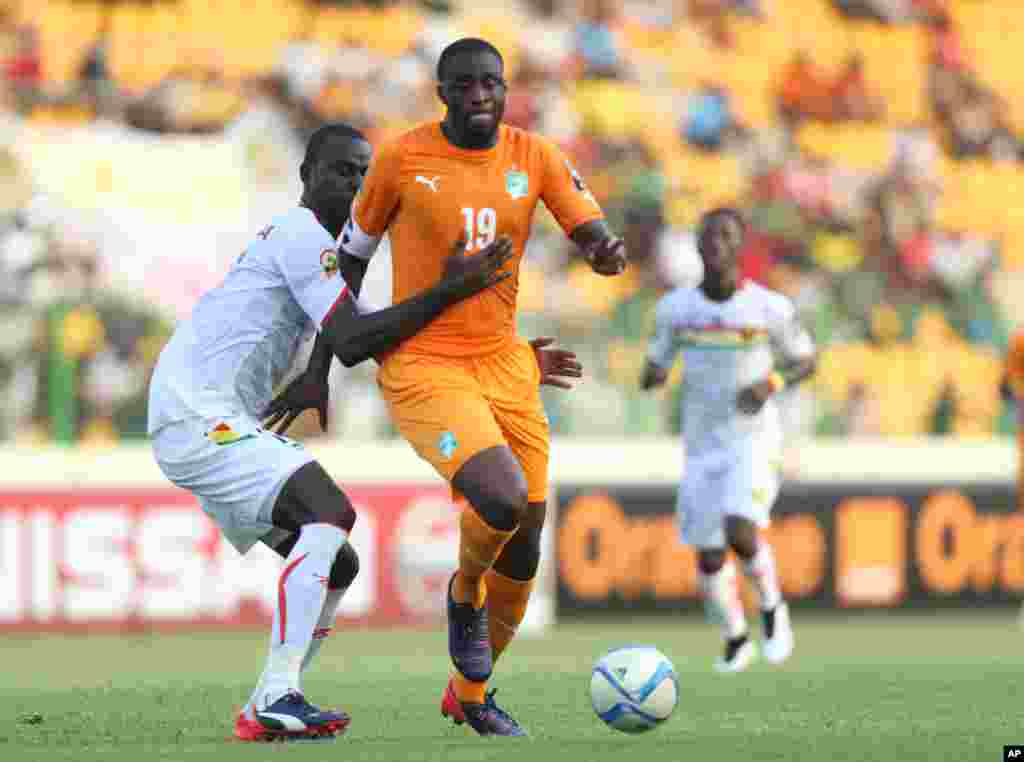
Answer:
(430, 182)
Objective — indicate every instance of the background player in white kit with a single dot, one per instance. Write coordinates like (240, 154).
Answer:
(727, 330)
(215, 379)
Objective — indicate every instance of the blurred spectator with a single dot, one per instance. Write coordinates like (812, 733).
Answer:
(946, 46)
(339, 100)
(710, 120)
(903, 202)
(977, 128)
(595, 39)
(755, 8)
(803, 91)
(95, 353)
(853, 100)
(23, 68)
(189, 100)
(885, 11)
(712, 19)
(523, 103)
(549, 39)
(94, 75)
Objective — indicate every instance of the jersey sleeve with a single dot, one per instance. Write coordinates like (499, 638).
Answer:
(564, 192)
(374, 205)
(662, 349)
(309, 265)
(786, 332)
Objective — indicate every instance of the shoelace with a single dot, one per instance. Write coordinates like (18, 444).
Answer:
(297, 699)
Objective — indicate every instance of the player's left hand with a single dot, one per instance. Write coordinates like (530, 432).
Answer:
(608, 256)
(751, 399)
(556, 365)
(303, 393)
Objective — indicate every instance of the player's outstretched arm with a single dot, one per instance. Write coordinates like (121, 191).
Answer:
(604, 251)
(307, 391)
(355, 337)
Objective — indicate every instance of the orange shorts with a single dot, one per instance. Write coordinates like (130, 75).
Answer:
(451, 408)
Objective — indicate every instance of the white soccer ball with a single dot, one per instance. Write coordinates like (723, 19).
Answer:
(634, 688)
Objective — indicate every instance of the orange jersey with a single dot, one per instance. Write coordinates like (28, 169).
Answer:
(424, 192)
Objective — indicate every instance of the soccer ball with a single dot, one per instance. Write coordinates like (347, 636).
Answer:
(634, 688)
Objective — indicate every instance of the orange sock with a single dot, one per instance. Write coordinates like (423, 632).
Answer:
(507, 599)
(466, 691)
(479, 546)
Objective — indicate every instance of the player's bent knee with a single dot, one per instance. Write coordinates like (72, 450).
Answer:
(503, 507)
(310, 496)
(710, 560)
(494, 484)
(345, 568)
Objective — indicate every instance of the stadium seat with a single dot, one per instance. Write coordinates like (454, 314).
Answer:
(700, 181)
(496, 28)
(67, 30)
(975, 387)
(814, 26)
(895, 66)
(612, 109)
(855, 146)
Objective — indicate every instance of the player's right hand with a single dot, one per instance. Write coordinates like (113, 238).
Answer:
(470, 274)
(303, 393)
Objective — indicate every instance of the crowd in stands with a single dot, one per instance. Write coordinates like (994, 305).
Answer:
(863, 139)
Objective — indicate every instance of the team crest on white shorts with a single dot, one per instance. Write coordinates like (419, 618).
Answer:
(222, 435)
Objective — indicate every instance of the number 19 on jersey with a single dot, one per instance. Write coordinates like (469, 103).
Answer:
(481, 227)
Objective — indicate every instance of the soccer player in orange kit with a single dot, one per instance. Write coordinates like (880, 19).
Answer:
(464, 391)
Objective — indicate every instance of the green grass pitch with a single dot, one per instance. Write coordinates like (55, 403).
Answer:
(861, 687)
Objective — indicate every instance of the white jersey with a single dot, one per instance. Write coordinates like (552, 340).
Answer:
(726, 346)
(241, 339)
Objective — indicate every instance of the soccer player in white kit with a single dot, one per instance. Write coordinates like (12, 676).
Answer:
(726, 330)
(213, 384)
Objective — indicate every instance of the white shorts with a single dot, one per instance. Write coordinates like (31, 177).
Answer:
(235, 468)
(742, 482)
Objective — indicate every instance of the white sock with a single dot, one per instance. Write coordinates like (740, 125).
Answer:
(761, 571)
(302, 590)
(723, 600)
(328, 615)
(324, 625)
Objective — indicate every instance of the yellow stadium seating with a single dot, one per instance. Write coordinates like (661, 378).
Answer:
(699, 181)
(814, 26)
(66, 32)
(895, 66)
(613, 109)
(857, 146)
